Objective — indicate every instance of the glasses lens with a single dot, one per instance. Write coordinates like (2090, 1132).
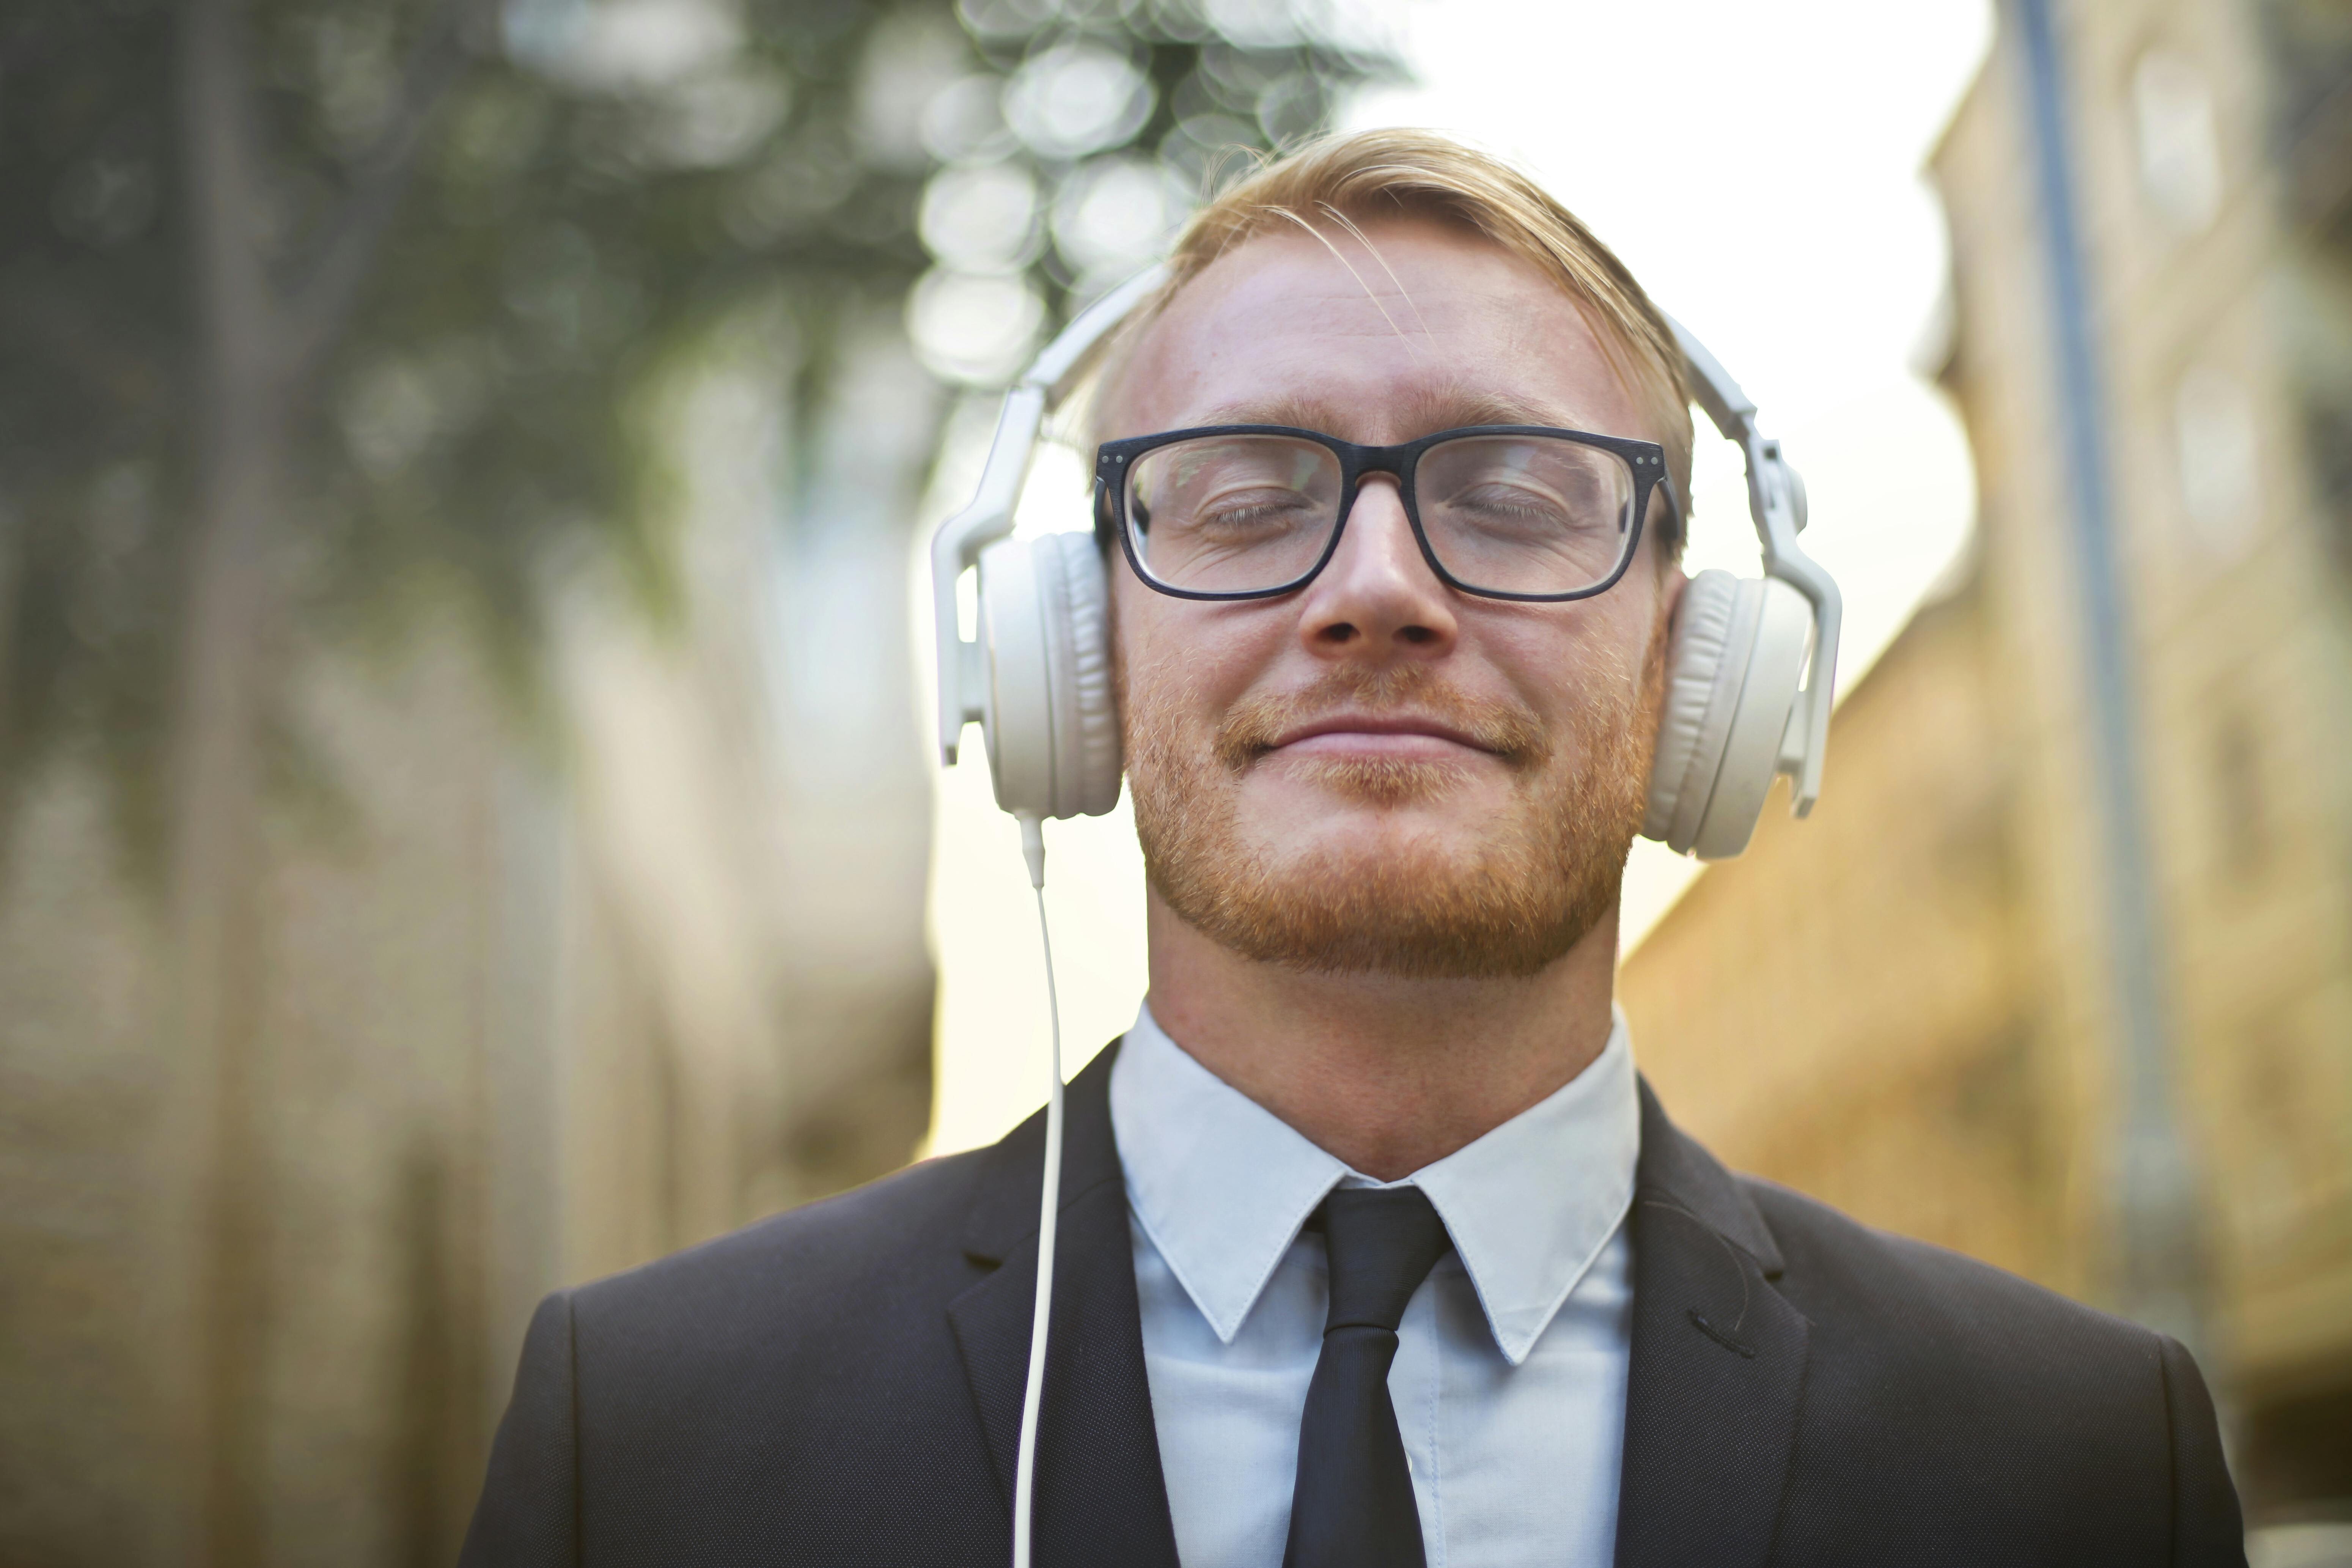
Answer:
(1525, 514)
(1232, 514)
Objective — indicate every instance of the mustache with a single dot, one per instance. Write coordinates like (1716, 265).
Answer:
(1251, 728)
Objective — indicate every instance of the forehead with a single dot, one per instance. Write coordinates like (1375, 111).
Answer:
(1414, 326)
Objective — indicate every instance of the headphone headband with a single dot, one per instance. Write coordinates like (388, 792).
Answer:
(1776, 501)
(956, 548)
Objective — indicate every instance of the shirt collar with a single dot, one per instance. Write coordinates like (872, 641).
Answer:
(1221, 1185)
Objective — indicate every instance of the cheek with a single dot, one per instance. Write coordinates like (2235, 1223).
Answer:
(1569, 667)
(1622, 632)
(1157, 690)
(1178, 657)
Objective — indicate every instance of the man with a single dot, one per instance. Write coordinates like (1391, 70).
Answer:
(1374, 1250)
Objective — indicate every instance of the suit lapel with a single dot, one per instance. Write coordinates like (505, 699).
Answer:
(1100, 1494)
(1718, 1364)
(1717, 1367)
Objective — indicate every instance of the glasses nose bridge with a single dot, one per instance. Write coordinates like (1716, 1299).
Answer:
(1394, 461)
(1367, 462)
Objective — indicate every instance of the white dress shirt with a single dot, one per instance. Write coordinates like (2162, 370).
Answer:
(1510, 1381)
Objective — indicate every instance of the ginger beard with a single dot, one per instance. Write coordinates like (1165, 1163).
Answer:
(1540, 877)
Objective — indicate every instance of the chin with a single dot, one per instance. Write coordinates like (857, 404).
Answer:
(1465, 882)
(1359, 842)
(1350, 839)
(1388, 893)
(1373, 818)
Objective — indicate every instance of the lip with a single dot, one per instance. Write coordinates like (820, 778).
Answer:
(1389, 732)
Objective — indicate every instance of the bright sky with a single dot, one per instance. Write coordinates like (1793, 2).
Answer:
(1758, 166)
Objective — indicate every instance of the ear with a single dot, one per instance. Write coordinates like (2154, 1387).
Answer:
(1117, 581)
(1672, 582)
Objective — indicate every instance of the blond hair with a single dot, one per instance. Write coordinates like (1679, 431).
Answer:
(1345, 181)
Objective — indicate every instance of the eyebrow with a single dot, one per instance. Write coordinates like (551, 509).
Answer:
(1431, 412)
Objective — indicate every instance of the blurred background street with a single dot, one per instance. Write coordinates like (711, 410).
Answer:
(466, 823)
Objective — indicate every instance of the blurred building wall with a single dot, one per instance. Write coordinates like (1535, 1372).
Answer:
(539, 1000)
(1903, 1005)
(1848, 1007)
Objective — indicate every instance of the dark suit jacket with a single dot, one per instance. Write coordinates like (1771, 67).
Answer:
(842, 1385)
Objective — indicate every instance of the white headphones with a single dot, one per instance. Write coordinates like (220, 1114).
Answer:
(1748, 691)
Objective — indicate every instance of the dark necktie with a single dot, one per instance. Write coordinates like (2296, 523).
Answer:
(1352, 1505)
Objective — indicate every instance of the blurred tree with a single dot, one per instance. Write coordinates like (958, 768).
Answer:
(313, 309)
(306, 302)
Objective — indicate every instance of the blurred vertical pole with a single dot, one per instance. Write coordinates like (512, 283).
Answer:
(215, 823)
(2156, 1274)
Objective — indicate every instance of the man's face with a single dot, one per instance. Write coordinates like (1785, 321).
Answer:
(1378, 773)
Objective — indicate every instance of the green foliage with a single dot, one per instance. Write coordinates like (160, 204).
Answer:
(549, 201)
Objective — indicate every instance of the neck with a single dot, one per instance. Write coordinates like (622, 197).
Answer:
(1388, 1074)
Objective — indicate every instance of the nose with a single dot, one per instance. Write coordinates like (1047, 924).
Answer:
(1377, 599)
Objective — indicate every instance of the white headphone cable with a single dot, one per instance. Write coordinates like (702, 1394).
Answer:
(1049, 1203)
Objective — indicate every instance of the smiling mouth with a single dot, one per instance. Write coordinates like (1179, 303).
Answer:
(1398, 735)
(1426, 724)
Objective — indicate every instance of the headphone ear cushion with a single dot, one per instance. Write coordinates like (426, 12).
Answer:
(1697, 712)
(1092, 765)
(1734, 666)
(1758, 735)
(1051, 724)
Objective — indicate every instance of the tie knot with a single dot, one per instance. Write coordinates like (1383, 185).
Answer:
(1382, 1242)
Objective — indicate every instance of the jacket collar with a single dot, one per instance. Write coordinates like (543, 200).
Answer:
(1718, 1365)
(1100, 1495)
(1221, 1185)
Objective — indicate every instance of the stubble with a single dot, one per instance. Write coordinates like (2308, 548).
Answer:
(1538, 877)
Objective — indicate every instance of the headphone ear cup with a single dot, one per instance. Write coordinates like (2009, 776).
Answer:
(1695, 716)
(1051, 726)
(1735, 663)
(1760, 724)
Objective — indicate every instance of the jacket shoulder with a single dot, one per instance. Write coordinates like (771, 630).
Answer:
(789, 1381)
(881, 1240)
(1915, 1335)
(1839, 1270)
(1946, 1389)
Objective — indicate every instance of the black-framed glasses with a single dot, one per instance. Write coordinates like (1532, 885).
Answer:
(1504, 511)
